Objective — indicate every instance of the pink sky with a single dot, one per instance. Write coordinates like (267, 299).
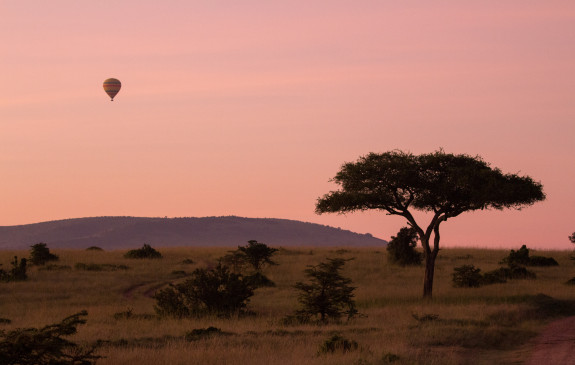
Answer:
(249, 108)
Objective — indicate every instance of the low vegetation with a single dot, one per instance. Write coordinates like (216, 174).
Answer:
(401, 248)
(146, 252)
(40, 254)
(490, 322)
(46, 345)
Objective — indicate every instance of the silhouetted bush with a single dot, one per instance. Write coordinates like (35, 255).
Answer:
(259, 280)
(401, 249)
(146, 252)
(203, 333)
(94, 248)
(467, 276)
(40, 254)
(521, 257)
(216, 291)
(328, 295)
(45, 346)
(17, 273)
(337, 343)
(542, 261)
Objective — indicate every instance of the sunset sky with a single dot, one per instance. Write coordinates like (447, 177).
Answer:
(249, 107)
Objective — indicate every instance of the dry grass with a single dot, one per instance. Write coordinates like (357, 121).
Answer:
(482, 325)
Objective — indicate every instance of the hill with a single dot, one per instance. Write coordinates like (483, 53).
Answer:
(131, 232)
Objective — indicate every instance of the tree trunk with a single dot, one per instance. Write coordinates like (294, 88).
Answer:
(430, 257)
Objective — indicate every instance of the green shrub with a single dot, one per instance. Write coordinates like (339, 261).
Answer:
(328, 295)
(146, 252)
(46, 346)
(337, 343)
(40, 254)
(216, 291)
(467, 276)
(401, 249)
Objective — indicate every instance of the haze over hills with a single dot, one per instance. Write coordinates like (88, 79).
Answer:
(132, 232)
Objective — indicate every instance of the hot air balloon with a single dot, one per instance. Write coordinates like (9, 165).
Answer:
(111, 87)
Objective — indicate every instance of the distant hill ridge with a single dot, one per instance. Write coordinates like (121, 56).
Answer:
(130, 232)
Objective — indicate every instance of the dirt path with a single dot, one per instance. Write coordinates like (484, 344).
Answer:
(146, 289)
(555, 345)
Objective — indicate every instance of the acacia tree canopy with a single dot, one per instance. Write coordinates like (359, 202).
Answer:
(443, 184)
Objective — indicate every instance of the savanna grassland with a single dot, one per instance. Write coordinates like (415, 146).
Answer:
(490, 324)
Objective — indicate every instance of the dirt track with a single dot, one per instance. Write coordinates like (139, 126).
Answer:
(555, 345)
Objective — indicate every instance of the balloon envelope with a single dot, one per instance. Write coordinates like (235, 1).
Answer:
(111, 87)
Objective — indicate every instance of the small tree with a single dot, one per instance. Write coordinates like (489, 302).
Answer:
(401, 249)
(445, 185)
(572, 237)
(257, 254)
(46, 345)
(40, 254)
(328, 295)
(217, 291)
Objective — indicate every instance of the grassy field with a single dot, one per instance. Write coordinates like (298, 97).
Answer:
(490, 324)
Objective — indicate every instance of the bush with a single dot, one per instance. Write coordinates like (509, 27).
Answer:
(401, 249)
(217, 291)
(17, 273)
(467, 276)
(204, 333)
(328, 295)
(94, 248)
(337, 343)
(40, 254)
(542, 261)
(521, 257)
(146, 252)
(45, 345)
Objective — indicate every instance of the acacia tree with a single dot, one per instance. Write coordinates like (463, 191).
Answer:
(572, 237)
(444, 185)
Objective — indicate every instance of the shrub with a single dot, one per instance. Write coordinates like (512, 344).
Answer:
(40, 254)
(466, 276)
(46, 345)
(146, 252)
(255, 254)
(216, 291)
(328, 295)
(204, 333)
(337, 343)
(542, 261)
(258, 280)
(17, 273)
(401, 249)
(94, 248)
(521, 257)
